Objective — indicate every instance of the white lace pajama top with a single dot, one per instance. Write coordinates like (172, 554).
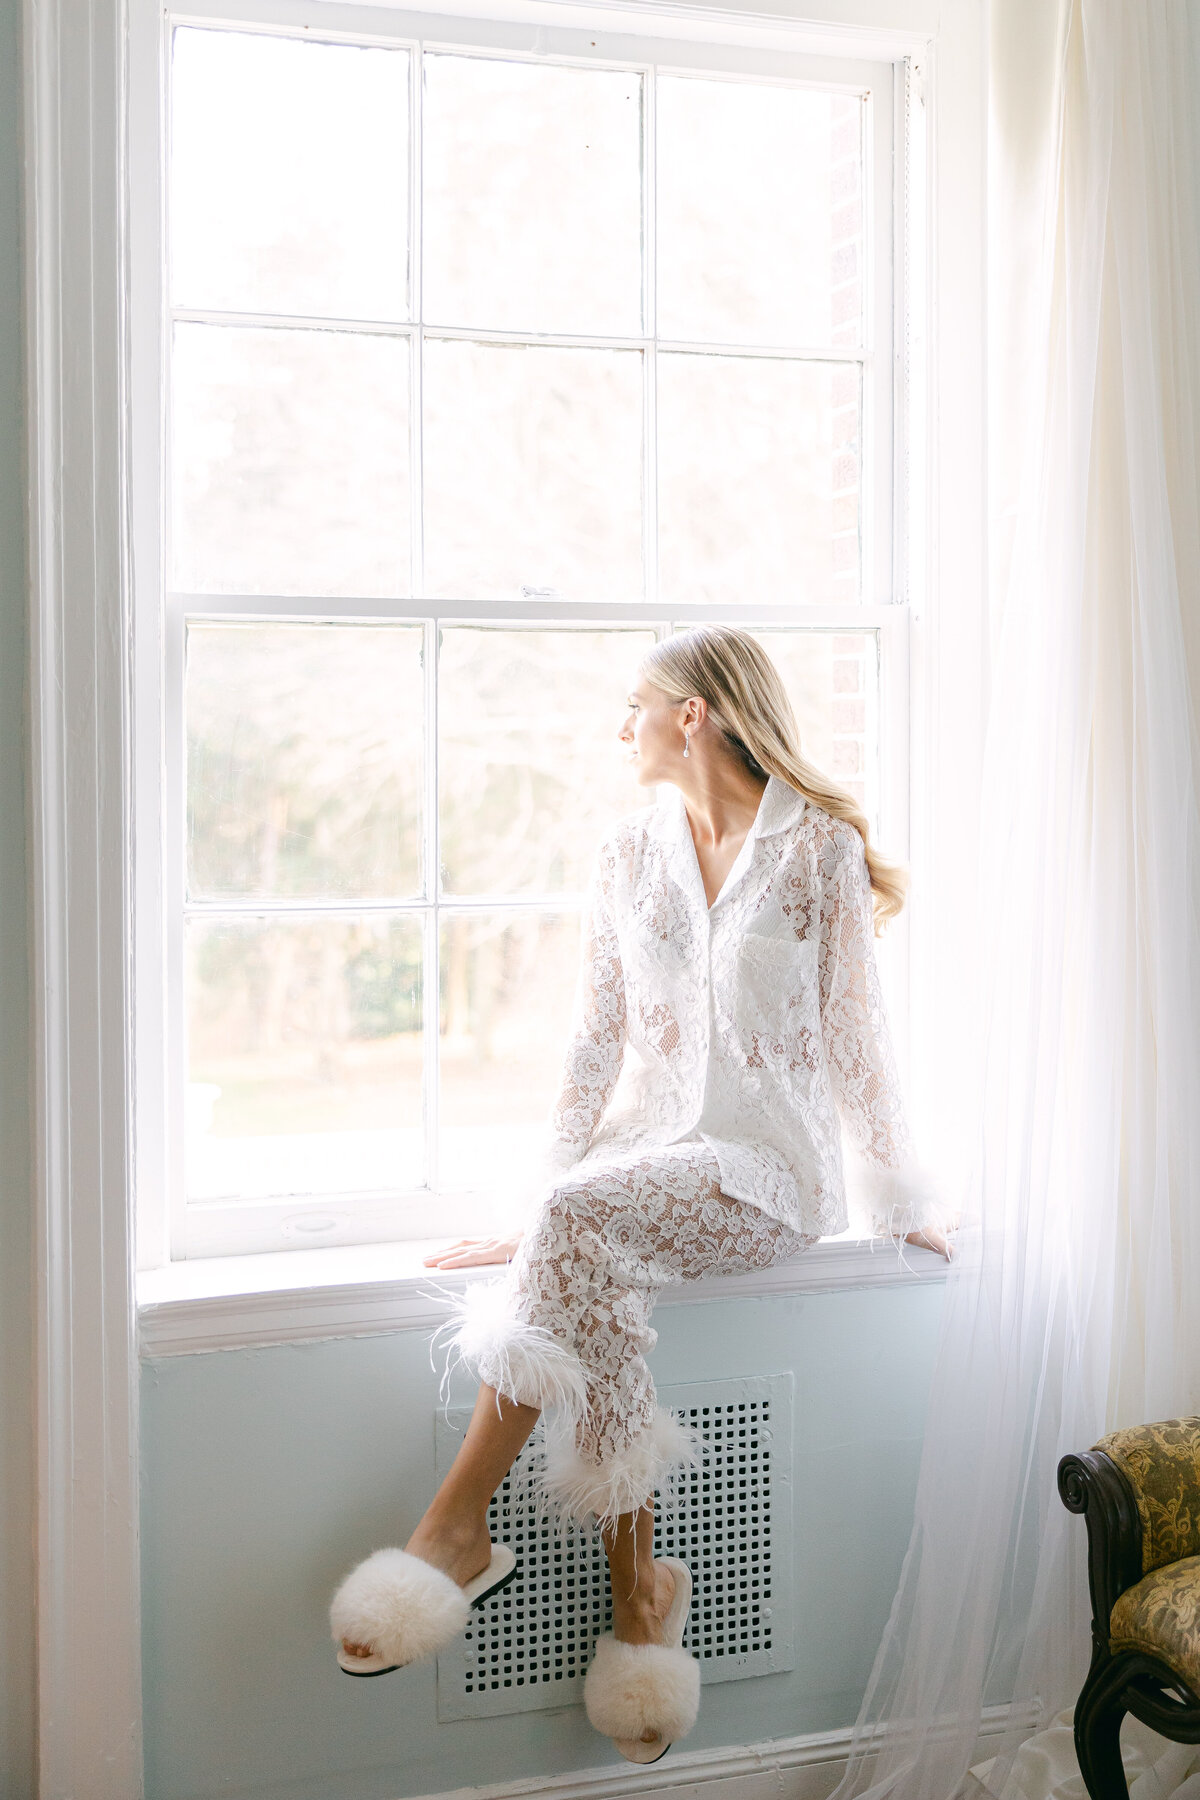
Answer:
(756, 1025)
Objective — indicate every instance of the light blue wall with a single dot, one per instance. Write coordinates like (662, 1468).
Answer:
(267, 1473)
(16, 1424)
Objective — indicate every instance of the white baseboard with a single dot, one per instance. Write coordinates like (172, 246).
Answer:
(800, 1768)
(808, 1767)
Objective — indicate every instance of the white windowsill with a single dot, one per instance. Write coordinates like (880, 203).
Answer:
(303, 1296)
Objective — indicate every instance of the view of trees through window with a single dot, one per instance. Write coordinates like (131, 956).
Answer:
(482, 372)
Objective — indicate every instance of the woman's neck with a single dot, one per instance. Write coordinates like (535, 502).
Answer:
(722, 802)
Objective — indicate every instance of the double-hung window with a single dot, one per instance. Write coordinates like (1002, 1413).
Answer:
(484, 357)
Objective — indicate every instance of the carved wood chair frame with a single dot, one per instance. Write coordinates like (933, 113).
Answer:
(1122, 1681)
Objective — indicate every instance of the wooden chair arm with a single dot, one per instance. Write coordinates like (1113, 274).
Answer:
(1091, 1483)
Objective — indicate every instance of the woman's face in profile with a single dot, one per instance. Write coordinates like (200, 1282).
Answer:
(653, 734)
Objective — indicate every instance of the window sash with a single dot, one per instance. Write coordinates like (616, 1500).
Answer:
(207, 1228)
(213, 1228)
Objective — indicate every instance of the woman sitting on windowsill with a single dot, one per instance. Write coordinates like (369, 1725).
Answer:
(729, 950)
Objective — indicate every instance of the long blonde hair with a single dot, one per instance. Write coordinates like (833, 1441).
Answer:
(748, 703)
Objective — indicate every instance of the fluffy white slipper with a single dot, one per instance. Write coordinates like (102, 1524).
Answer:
(631, 1688)
(406, 1609)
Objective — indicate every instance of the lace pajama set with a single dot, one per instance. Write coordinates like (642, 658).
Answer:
(715, 1055)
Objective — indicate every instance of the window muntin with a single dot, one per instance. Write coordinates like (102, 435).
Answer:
(477, 471)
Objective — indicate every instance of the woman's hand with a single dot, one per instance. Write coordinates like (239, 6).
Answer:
(467, 1252)
(931, 1239)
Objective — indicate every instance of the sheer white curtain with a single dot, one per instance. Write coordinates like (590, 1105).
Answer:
(1074, 1308)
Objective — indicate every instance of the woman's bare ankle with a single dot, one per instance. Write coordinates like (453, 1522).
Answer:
(456, 1542)
(639, 1615)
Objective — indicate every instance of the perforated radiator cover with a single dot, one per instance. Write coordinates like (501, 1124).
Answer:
(529, 1646)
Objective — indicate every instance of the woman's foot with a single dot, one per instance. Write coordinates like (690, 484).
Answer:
(640, 1619)
(460, 1551)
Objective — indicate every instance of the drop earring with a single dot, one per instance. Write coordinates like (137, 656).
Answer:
(685, 741)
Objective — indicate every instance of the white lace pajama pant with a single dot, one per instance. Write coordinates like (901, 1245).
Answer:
(567, 1327)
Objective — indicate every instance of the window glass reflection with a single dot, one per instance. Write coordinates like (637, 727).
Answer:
(305, 761)
(532, 772)
(304, 1057)
(508, 984)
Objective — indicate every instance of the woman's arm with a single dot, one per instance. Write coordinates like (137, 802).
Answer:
(596, 1045)
(860, 1057)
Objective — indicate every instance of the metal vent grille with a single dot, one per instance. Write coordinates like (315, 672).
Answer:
(529, 1646)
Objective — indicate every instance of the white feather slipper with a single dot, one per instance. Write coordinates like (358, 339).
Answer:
(631, 1688)
(406, 1609)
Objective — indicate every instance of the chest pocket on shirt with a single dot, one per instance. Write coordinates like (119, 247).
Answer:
(777, 983)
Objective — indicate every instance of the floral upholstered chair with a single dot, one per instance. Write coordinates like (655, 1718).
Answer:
(1140, 1493)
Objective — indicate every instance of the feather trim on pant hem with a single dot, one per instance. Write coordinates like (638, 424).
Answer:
(524, 1362)
(574, 1491)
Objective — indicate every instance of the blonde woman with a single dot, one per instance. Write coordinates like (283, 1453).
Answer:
(729, 1010)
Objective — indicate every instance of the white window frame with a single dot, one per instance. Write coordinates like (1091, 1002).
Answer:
(170, 1227)
(91, 859)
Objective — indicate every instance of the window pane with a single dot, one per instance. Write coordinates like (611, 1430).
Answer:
(290, 462)
(533, 205)
(832, 678)
(758, 480)
(305, 1059)
(508, 984)
(289, 176)
(531, 769)
(533, 471)
(305, 762)
(759, 223)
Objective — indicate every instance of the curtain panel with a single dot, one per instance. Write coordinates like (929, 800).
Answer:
(1074, 1305)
